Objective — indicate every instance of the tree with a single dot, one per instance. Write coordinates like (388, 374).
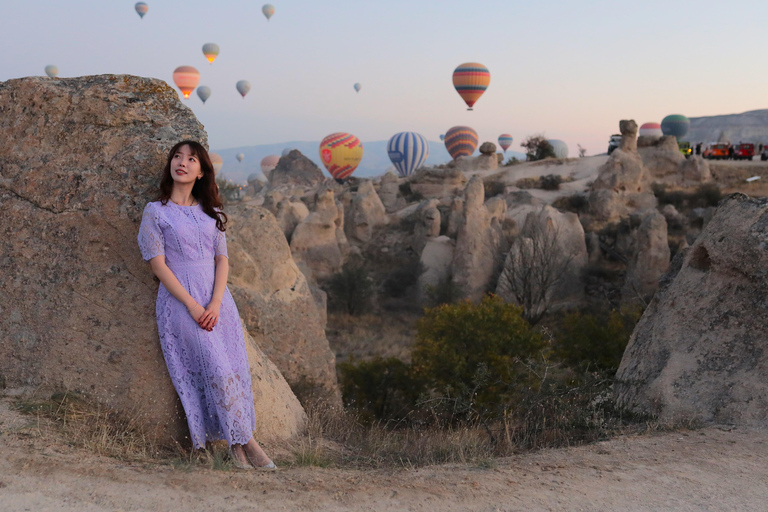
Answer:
(537, 148)
(535, 265)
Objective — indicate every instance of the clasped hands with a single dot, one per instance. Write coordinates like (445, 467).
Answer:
(208, 317)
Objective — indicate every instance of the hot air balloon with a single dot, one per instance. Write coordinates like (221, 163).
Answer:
(211, 51)
(650, 130)
(286, 151)
(471, 79)
(186, 79)
(505, 140)
(217, 162)
(141, 8)
(341, 154)
(268, 10)
(676, 125)
(268, 163)
(442, 137)
(461, 141)
(408, 151)
(257, 176)
(203, 92)
(560, 148)
(51, 70)
(243, 86)
(240, 157)
(357, 87)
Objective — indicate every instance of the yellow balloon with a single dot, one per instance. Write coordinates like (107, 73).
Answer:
(341, 154)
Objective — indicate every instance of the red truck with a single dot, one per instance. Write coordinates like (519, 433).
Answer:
(716, 151)
(743, 151)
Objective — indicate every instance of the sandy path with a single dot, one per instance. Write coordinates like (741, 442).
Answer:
(710, 469)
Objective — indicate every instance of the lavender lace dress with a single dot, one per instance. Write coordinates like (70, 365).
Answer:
(209, 369)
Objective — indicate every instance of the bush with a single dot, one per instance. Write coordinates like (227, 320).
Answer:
(708, 194)
(397, 282)
(537, 148)
(444, 292)
(550, 182)
(493, 188)
(513, 161)
(597, 341)
(380, 388)
(350, 290)
(475, 352)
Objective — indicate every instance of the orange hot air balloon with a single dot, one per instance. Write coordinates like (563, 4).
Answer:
(216, 161)
(211, 51)
(341, 154)
(186, 79)
(471, 79)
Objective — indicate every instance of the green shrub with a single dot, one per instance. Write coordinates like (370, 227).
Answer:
(513, 161)
(397, 282)
(475, 351)
(350, 290)
(380, 388)
(550, 182)
(595, 340)
(444, 292)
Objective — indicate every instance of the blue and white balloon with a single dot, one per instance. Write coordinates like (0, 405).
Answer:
(408, 151)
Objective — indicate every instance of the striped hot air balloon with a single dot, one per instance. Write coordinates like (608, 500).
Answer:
(341, 154)
(51, 70)
(211, 51)
(650, 130)
(186, 79)
(408, 151)
(505, 140)
(471, 79)
(216, 161)
(461, 141)
(675, 124)
(141, 9)
(203, 92)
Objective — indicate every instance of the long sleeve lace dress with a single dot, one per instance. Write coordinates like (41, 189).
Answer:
(208, 369)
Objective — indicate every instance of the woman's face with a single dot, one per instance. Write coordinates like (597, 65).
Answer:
(185, 167)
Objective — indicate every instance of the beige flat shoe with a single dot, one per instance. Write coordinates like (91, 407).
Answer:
(237, 463)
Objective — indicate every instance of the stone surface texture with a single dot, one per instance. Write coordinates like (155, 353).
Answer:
(297, 170)
(699, 351)
(317, 240)
(79, 159)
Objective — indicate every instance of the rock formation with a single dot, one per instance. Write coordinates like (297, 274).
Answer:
(478, 257)
(289, 214)
(436, 258)
(79, 159)
(366, 212)
(297, 170)
(389, 193)
(428, 225)
(649, 258)
(699, 349)
(317, 240)
(437, 183)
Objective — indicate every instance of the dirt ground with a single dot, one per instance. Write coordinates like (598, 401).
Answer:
(709, 469)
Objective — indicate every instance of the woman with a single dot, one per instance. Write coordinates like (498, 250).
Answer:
(182, 237)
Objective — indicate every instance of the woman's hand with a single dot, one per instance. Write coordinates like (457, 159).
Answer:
(196, 311)
(210, 316)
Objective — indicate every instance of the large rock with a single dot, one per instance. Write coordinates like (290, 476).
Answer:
(79, 159)
(479, 253)
(427, 226)
(317, 240)
(389, 193)
(649, 259)
(435, 263)
(661, 157)
(366, 212)
(699, 351)
(289, 214)
(437, 183)
(275, 300)
(296, 170)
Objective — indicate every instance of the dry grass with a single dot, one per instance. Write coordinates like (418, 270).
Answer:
(368, 336)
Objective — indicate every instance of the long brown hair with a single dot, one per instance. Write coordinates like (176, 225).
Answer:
(204, 190)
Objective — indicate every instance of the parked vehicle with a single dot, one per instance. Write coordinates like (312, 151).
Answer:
(743, 151)
(614, 143)
(685, 148)
(716, 151)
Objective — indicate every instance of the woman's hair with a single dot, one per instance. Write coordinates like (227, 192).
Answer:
(204, 190)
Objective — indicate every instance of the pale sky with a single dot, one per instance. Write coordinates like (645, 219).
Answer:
(568, 69)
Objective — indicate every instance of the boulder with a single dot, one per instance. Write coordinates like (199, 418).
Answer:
(366, 212)
(661, 157)
(79, 159)
(296, 170)
(480, 245)
(437, 183)
(428, 225)
(649, 259)
(695, 170)
(389, 193)
(316, 240)
(275, 299)
(289, 214)
(698, 351)
(481, 162)
(487, 148)
(628, 130)
(435, 262)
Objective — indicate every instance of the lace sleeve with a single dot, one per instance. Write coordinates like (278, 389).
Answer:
(151, 241)
(221, 244)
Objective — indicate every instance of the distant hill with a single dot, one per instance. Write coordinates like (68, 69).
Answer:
(749, 126)
(375, 160)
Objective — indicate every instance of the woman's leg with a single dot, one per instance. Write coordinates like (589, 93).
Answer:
(255, 454)
(238, 454)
